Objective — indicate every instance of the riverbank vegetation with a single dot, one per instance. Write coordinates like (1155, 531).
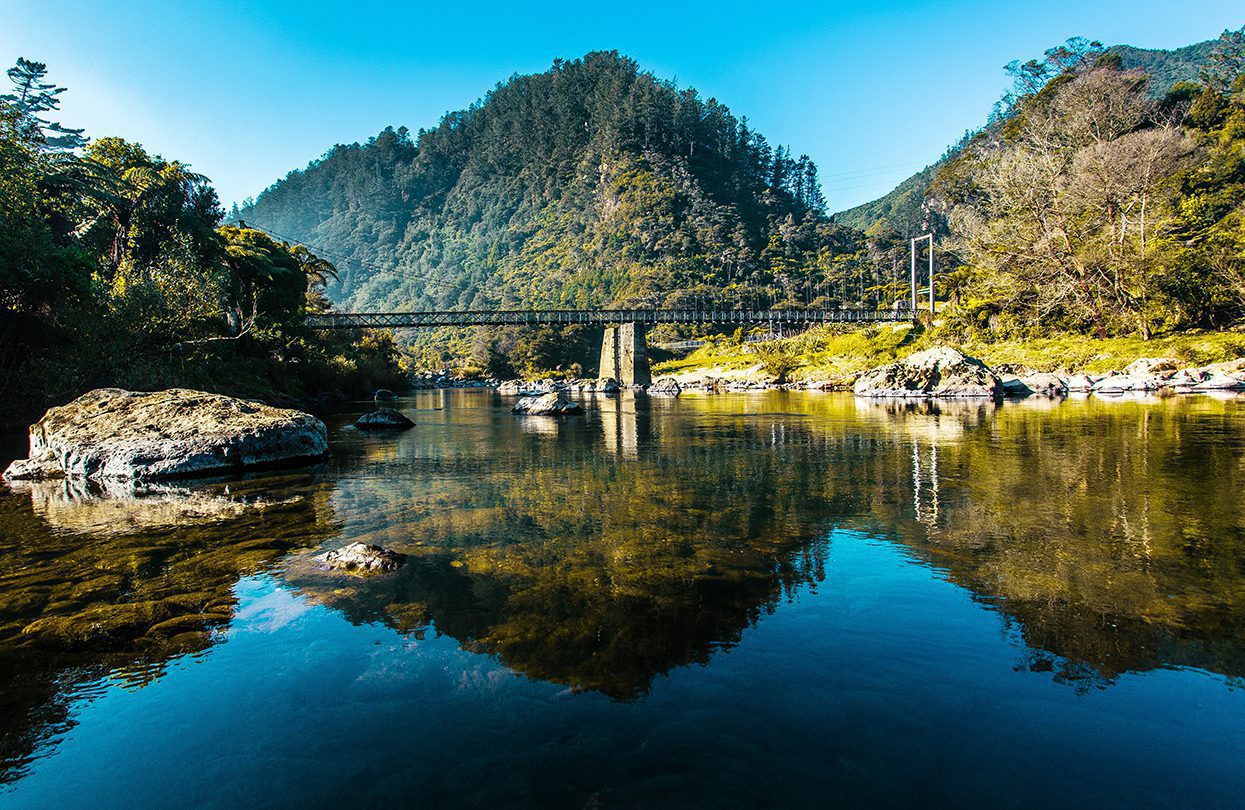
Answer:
(1090, 207)
(837, 354)
(115, 270)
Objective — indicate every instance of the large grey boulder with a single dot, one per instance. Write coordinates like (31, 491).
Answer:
(551, 404)
(114, 434)
(384, 419)
(362, 558)
(937, 372)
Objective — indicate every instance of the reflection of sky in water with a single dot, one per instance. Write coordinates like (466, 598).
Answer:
(757, 600)
(881, 685)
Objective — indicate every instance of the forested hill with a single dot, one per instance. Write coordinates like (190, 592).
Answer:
(901, 207)
(593, 183)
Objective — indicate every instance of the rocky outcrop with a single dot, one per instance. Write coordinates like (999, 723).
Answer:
(936, 372)
(362, 558)
(384, 419)
(665, 387)
(551, 404)
(115, 434)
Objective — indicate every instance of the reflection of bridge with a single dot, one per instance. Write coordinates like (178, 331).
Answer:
(624, 353)
(602, 317)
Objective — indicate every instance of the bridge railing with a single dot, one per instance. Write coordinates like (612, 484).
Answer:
(545, 317)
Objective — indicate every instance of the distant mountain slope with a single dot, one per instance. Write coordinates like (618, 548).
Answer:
(589, 184)
(901, 208)
(1166, 68)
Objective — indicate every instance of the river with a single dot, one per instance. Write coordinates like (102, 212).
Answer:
(775, 599)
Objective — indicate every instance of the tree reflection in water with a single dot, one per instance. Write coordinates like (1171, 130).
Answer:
(602, 551)
(1108, 533)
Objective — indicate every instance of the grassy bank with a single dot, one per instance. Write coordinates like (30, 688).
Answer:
(837, 354)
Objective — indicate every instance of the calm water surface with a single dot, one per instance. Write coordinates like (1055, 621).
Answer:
(771, 600)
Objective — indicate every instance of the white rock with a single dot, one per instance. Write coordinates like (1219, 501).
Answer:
(936, 372)
(110, 433)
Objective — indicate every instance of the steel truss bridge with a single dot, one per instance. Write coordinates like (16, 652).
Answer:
(645, 317)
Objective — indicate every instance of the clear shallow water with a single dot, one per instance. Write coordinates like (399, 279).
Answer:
(741, 600)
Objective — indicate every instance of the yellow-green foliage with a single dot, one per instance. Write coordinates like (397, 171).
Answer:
(830, 353)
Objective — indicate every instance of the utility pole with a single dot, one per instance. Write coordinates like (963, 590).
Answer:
(912, 249)
(930, 237)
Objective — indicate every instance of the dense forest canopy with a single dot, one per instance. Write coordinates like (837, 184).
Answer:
(591, 184)
(1093, 206)
(115, 270)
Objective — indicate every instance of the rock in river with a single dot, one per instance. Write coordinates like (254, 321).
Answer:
(937, 372)
(362, 558)
(113, 434)
(384, 419)
(551, 404)
(384, 395)
(666, 386)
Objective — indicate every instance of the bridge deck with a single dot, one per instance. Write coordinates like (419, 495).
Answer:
(553, 317)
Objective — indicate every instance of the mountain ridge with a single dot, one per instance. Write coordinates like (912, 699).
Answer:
(592, 183)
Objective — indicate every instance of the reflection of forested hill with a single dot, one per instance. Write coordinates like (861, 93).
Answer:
(1111, 533)
(602, 551)
(637, 540)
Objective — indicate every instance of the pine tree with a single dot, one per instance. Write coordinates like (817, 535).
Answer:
(31, 97)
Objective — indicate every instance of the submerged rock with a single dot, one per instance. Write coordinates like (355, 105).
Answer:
(936, 372)
(666, 386)
(111, 433)
(551, 404)
(384, 419)
(384, 395)
(363, 558)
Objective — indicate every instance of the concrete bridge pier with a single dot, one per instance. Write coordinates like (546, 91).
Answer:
(624, 354)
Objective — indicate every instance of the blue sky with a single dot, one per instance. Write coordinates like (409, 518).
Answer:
(246, 91)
